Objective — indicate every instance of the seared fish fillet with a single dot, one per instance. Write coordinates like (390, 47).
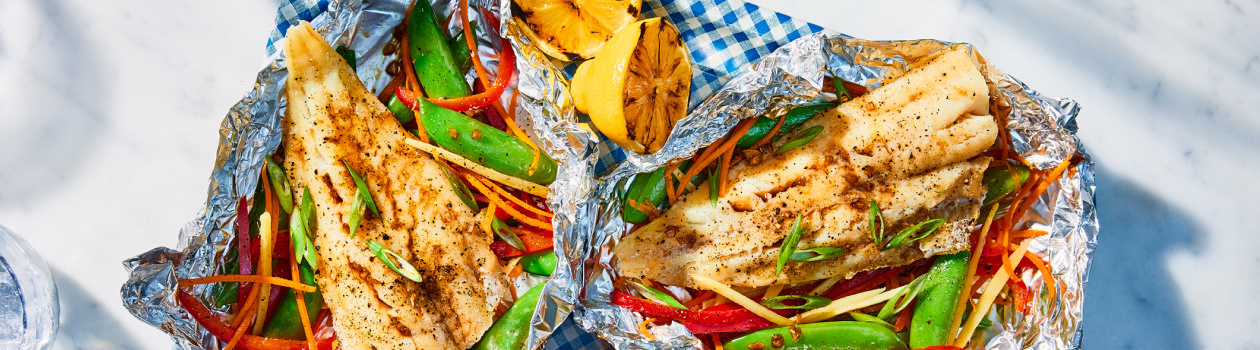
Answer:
(908, 145)
(332, 118)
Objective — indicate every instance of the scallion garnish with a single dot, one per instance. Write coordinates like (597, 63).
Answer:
(280, 183)
(816, 254)
(300, 226)
(789, 243)
(902, 299)
(713, 188)
(910, 234)
(394, 261)
(657, 295)
(505, 233)
(800, 139)
(461, 190)
(842, 93)
(811, 302)
(913, 233)
(362, 198)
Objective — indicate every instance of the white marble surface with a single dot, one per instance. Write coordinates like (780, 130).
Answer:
(109, 116)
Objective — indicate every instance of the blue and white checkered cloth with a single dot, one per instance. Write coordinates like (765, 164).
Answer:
(723, 36)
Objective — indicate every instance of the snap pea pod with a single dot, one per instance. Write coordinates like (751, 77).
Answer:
(934, 309)
(401, 111)
(540, 263)
(286, 323)
(508, 333)
(460, 51)
(431, 55)
(650, 188)
(795, 117)
(482, 143)
(847, 335)
(1000, 182)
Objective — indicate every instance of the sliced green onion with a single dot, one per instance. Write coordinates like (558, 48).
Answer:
(363, 190)
(811, 302)
(505, 233)
(842, 93)
(300, 230)
(876, 215)
(816, 254)
(913, 233)
(280, 183)
(356, 214)
(789, 244)
(461, 190)
(394, 261)
(657, 295)
(713, 187)
(861, 317)
(801, 138)
(902, 299)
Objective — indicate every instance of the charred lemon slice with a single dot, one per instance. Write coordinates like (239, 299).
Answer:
(637, 88)
(572, 30)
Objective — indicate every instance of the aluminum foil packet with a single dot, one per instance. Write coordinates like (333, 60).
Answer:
(252, 130)
(749, 62)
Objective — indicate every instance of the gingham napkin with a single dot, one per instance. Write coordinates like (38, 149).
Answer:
(723, 36)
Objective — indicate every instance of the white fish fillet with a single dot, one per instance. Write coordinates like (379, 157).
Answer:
(912, 146)
(332, 118)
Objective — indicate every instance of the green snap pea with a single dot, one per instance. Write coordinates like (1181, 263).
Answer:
(540, 263)
(1000, 182)
(847, 335)
(459, 49)
(431, 55)
(645, 189)
(795, 117)
(286, 323)
(280, 185)
(934, 309)
(508, 333)
(483, 144)
(400, 110)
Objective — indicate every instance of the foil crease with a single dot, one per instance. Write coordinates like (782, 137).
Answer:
(1042, 129)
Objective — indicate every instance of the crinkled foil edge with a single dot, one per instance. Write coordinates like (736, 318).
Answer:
(1042, 129)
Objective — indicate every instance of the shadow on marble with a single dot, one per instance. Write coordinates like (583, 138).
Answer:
(1110, 40)
(57, 104)
(1131, 301)
(85, 323)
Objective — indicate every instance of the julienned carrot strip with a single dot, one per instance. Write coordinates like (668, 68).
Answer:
(504, 193)
(691, 304)
(494, 199)
(488, 220)
(510, 120)
(1041, 187)
(472, 43)
(643, 328)
(669, 183)
(413, 81)
(301, 302)
(972, 265)
(247, 278)
(1029, 233)
(246, 313)
(704, 161)
(986, 301)
(770, 135)
(1045, 273)
(717, 342)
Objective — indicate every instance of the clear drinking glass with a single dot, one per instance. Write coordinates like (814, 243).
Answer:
(29, 311)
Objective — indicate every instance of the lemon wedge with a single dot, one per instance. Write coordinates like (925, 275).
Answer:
(573, 30)
(638, 86)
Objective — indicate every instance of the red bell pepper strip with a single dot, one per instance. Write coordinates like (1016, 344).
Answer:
(507, 67)
(211, 323)
(243, 244)
(742, 325)
(533, 244)
(653, 309)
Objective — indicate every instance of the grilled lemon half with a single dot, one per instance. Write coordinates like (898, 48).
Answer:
(573, 30)
(638, 86)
